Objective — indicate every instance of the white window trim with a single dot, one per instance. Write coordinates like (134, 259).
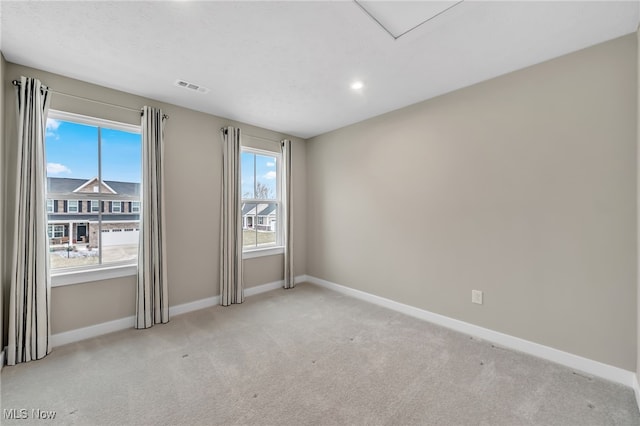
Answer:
(278, 247)
(112, 207)
(62, 277)
(97, 210)
(134, 208)
(259, 252)
(89, 273)
(93, 121)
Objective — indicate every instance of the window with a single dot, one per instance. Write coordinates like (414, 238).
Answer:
(55, 231)
(72, 206)
(89, 163)
(135, 207)
(261, 202)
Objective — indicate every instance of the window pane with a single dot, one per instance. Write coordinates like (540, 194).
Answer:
(121, 171)
(249, 234)
(72, 206)
(266, 182)
(72, 150)
(85, 231)
(247, 168)
(121, 156)
(72, 159)
(259, 224)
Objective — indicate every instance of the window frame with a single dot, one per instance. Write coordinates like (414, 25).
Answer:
(102, 271)
(53, 228)
(69, 206)
(278, 247)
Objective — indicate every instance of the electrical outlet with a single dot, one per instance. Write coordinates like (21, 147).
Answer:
(476, 297)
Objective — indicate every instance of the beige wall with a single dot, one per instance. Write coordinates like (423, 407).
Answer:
(193, 178)
(638, 147)
(523, 187)
(2, 199)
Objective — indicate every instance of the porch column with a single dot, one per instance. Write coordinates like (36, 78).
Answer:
(71, 233)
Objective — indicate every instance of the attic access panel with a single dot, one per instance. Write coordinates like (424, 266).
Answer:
(399, 17)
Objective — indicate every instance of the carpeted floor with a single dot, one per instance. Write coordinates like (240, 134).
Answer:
(300, 357)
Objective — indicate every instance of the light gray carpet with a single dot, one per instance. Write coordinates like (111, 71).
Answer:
(301, 357)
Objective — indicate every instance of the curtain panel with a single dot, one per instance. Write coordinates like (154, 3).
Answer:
(231, 285)
(287, 220)
(152, 298)
(30, 290)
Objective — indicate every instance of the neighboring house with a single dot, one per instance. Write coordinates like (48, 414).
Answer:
(261, 216)
(74, 217)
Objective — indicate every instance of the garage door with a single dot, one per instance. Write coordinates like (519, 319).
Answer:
(118, 237)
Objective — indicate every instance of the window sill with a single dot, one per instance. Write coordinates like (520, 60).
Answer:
(271, 251)
(59, 279)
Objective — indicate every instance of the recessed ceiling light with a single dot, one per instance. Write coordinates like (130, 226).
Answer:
(357, 85)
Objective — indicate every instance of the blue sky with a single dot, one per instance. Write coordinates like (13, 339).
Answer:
(265, 171)
(72, 152)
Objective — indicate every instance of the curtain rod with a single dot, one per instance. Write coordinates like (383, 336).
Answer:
(224, 129)
(17, 83)
(264, 139)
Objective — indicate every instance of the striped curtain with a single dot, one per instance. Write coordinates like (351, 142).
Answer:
(152, 298)
(287, 220)
(231, 285)
(30, 292)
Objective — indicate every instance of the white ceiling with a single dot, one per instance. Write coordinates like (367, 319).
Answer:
(398, 18)
(288, 66)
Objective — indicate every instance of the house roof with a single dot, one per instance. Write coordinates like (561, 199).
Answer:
(264, 209)
(267, 209)
(69, 185)
(93, 182)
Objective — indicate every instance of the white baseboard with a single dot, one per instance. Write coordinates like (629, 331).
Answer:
(301, 279)
(252, 291)
(594, 368)
(636, 389)
(193, 306)
(83, 333)
(79, 334)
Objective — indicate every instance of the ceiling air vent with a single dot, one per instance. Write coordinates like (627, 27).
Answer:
(191, 86)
